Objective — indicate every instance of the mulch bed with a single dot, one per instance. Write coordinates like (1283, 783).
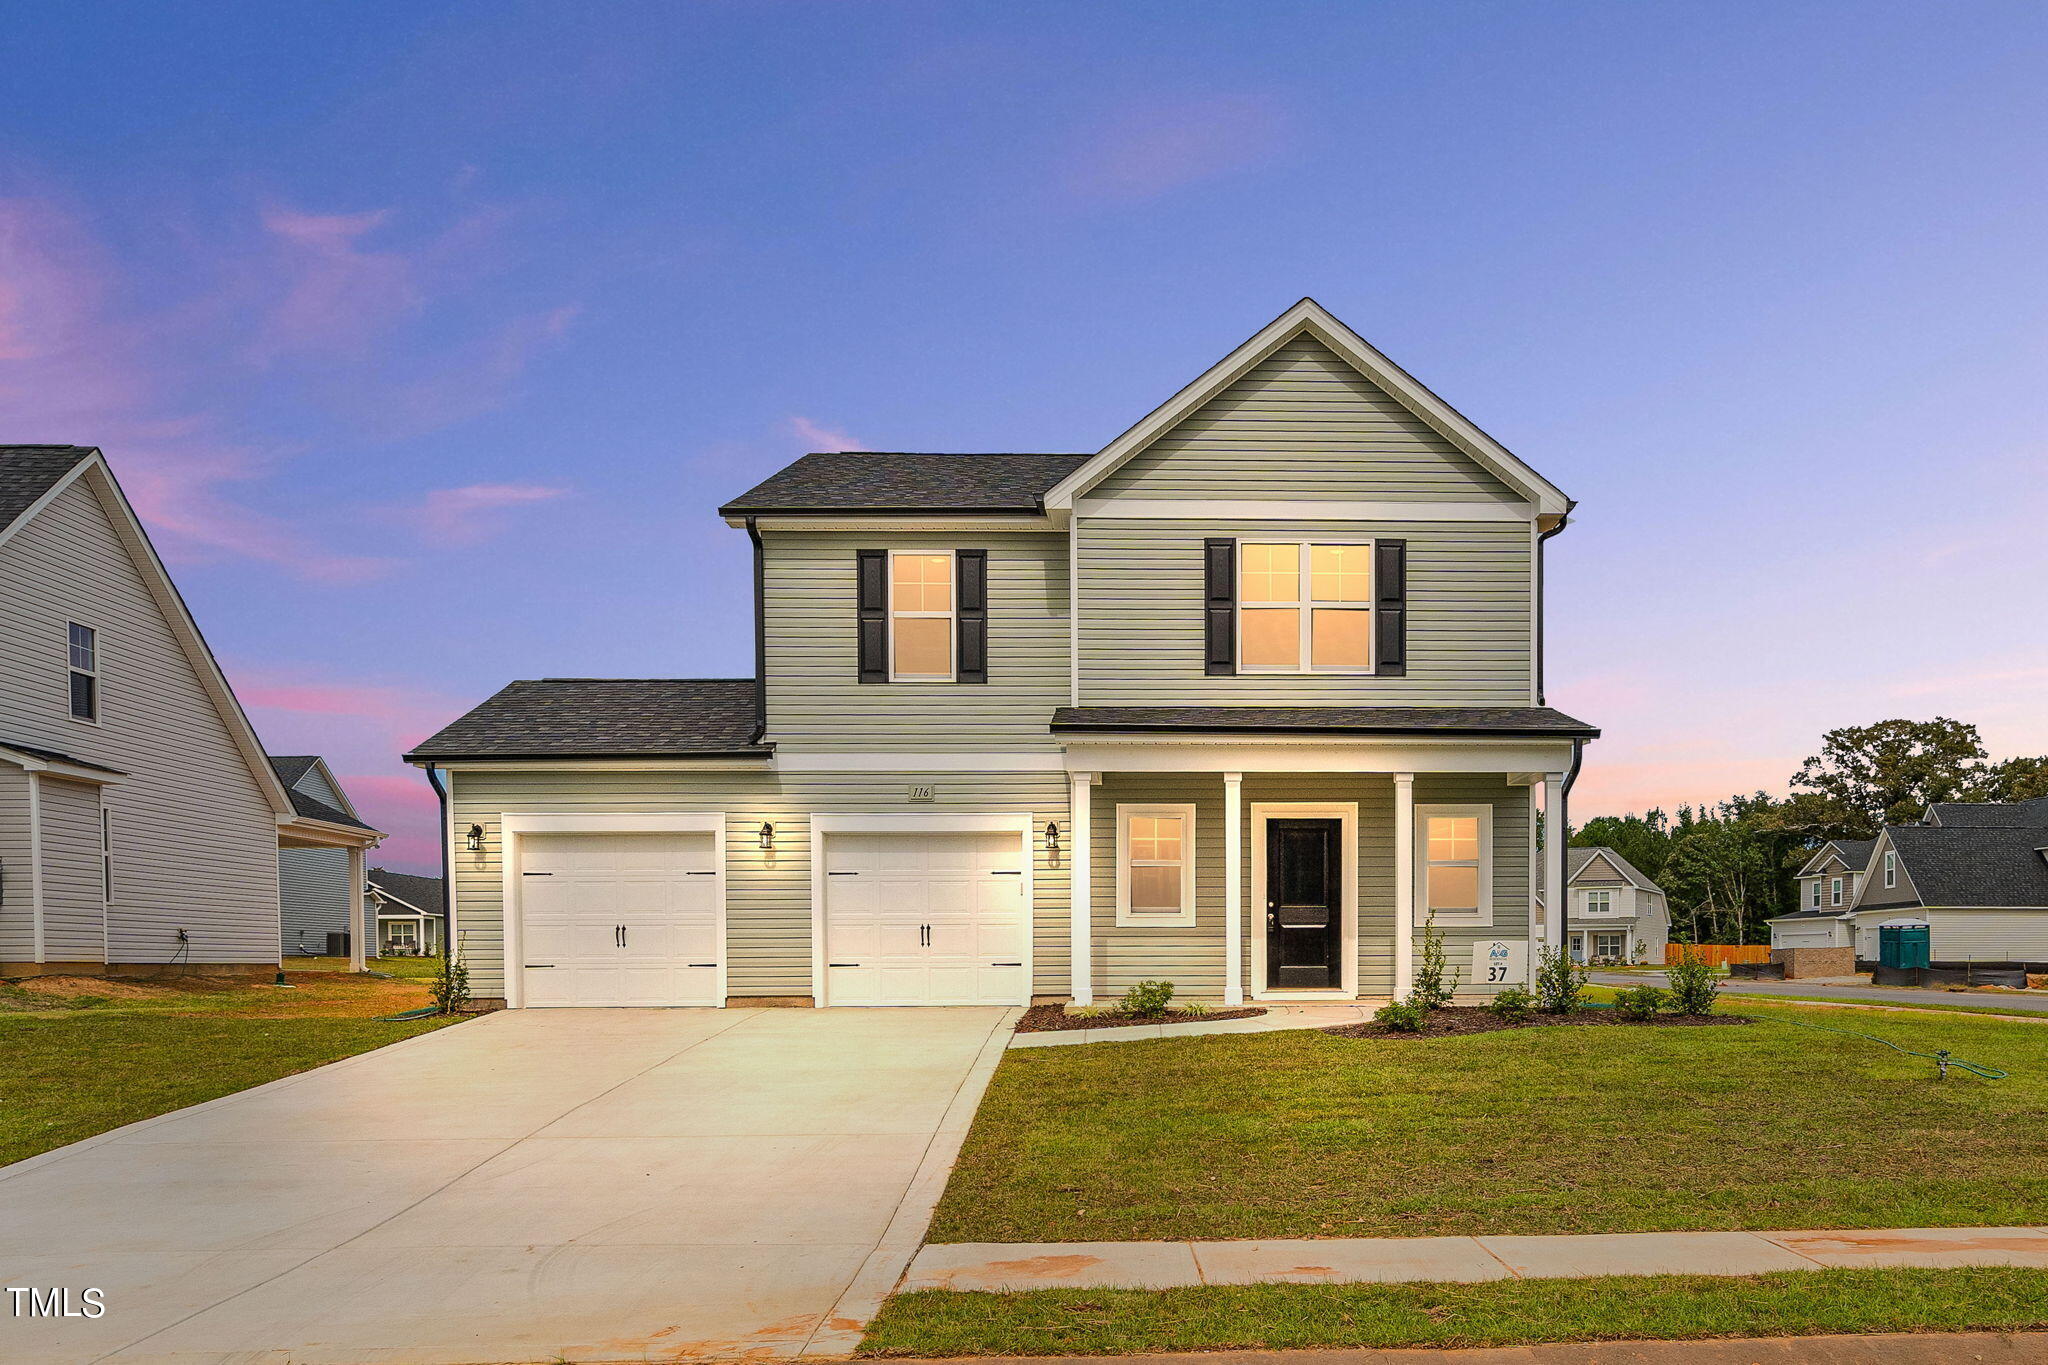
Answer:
(1055, 1019)
(1460, 1019)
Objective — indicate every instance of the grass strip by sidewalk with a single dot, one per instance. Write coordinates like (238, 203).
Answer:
(1503, 1312)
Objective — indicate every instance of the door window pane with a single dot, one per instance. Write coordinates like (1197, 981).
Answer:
(924, 646)
(1340, 573)
(1271, 637)
(1340, 639)
(1272, 573)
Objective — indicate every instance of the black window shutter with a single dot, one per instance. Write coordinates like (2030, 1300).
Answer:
(873, 627)
(1390, 608)
(1219, 576)
(970, 575)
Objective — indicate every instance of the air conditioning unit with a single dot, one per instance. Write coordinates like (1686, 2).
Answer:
(337, 944)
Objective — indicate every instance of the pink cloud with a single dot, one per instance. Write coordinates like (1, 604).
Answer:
(1143, 151)
(464, 516)
(336, 293)
(818, 437)
(471, 380)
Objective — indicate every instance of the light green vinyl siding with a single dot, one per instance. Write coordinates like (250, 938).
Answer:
(1469, 617)
(1303, 425)
(768, 895)
(816, 701)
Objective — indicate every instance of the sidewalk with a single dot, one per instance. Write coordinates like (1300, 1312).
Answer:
(1901, 1348)
(1170, 1265)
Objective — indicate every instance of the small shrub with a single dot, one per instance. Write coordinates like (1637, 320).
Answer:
(1513, 1005)
(1638, 1002)
(1694, 985)
(1435, 978)
(1403, 1016)
(1148, 999)
(1560, 982)
(450, 991)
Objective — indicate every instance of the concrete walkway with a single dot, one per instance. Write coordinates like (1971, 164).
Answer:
(1171, 1265)
(1892, 1348)
(537, 1185)
(1275, 1018)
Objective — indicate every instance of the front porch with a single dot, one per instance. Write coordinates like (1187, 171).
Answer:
(1305, 870)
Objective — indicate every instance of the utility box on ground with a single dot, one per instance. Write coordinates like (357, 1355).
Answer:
(1904, 945)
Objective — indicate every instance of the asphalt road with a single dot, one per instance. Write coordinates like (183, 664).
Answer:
(2032, 1002)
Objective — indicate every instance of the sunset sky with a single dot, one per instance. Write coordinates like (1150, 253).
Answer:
(426, 337)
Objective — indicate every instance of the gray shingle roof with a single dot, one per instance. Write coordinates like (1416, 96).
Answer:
(1855, 852)
(1575, 860)
(53, 756)
(1809, 914)
(291, 768)
(1991, 814)
(605, 718)
(906, 481)
(1390, 720)
(423, 892)
(27, 472)
(1974, 866)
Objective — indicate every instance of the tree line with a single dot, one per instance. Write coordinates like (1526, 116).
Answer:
(1727, 868)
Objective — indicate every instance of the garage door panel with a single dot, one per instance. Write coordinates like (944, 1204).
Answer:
(620, 919)
(920, 919)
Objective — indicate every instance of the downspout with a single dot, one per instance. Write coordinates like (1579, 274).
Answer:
(447, 874)
(1542, 536)
(760, 633)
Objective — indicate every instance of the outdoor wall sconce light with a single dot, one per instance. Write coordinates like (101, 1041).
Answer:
(475, 842)
(767, 837)
(1052, 836)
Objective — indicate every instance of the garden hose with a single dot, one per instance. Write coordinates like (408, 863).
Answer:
(1941, 1057)
(409, 1014)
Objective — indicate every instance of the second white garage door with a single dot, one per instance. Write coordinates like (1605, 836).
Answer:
(925, 919)
(620, 919)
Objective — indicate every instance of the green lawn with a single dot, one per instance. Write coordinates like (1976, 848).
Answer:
(78, 1057)
(1552, 1130)
(409, 968)
(1274, 1317)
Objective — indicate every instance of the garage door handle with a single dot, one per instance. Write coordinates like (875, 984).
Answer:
(1006, 874)
(536, 874)
(702, 874)
(1005, 964)
(535, 966)
(842, 964)
(703, 964)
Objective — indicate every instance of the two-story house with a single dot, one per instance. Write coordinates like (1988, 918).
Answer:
(1617, 914)
(1241, 701)
(140, 821)
(313, 883)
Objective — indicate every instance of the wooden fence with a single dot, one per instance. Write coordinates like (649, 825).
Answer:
(1720, 954)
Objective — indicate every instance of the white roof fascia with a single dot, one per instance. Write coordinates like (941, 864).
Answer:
(1313, 319)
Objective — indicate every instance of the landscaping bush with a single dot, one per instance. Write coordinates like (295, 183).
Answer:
(1514, 1005)
(450, 991)
(1560, 982)
(1148, 1000)
(1638, 1002)
(1694, 985)
(1435, 978)
(1403, 1016)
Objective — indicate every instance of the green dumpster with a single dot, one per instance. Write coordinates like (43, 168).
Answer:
(1903, 945)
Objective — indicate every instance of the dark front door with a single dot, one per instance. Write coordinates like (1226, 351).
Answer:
(1304, 904)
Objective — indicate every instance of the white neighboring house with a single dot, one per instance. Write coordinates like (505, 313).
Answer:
(412, 913)
(1616, 913)
(140, 820)
(1976, 873)
(313, 883)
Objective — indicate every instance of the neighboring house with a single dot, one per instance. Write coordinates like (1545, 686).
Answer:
(313, 883)
(1617, 913)
(1975, 873)
(1238, 702)
(411, 916)
(140, 822)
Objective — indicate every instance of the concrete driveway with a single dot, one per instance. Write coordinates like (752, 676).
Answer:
(530, 1186)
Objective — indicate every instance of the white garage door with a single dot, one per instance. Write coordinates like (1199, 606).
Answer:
(925, 919)
(1802, 936)
(620, 919)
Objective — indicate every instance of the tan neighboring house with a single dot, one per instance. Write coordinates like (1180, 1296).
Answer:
(1618, 915)
(140, 821)
(1239, 701)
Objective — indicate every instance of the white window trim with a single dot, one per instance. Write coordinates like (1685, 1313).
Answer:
(1594, 935)
(1834, 891)
(99, 691)
(1126, 917)
(1586, 904)
(1484, 813)
(1345, 813)
(1891, 869)
(1305, 605)
(951, 616)
(1817, 894)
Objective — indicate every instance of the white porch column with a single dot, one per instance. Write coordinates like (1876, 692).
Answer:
(1233, 888)
(1081, 961)
(358, 945)
(1554, 889)
(1404, 884)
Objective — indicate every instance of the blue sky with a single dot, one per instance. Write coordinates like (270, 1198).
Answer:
(427, 336)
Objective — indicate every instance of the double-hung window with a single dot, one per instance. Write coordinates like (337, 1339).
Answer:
(1891, 869)
(1609, 947)
(1454, 863)
(1304, 607)
(1835, 891)
(84, 654)
(1155, 865)
(920, 617)
(1599, 902)
(1816, 893)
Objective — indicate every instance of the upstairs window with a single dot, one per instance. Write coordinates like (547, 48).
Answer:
(1454, 863)
(1816, 893)
(85, 672)
(1304, 607)
(920, 617)
(1599, 902)
(1835, 891)
(1891, 869)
